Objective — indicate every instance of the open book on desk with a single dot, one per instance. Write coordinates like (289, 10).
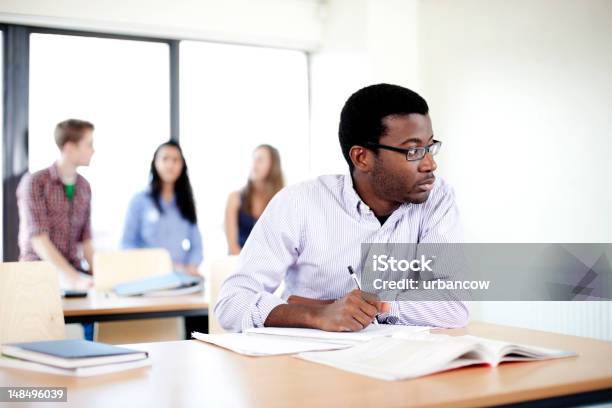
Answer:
(409, 356)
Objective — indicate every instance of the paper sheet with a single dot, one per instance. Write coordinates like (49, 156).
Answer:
(254, 345)
(367, 334)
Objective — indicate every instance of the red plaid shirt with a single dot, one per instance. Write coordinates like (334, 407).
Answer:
(45, 209)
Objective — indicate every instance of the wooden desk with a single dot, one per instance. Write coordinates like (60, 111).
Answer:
(191, 373)
(100, 307)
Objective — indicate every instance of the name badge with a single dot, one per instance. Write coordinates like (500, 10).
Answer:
(152, 216)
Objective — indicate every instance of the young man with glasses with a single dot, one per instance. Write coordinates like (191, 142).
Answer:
(311, 232)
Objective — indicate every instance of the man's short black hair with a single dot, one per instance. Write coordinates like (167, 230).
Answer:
(362, 117)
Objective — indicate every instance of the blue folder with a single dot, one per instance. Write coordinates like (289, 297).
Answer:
(163, 282)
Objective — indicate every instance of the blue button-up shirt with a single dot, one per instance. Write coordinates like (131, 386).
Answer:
(147, 227)
(310, 232)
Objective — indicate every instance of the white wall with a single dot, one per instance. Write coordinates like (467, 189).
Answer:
(282, 23)
(521, 95)
(520, 92)
(363, 42)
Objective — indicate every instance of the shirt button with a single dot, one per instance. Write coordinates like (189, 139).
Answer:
(186, 245)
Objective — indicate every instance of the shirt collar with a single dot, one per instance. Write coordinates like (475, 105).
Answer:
(162, 202)
(170, 203)
(55, 177)
(352, 201)
(54, 173)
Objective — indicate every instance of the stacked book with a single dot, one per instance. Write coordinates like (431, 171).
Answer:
(77, 358)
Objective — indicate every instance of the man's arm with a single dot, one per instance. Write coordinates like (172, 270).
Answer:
(300, 300)
(88, 254)
(443, 308)
(33, 210)
(246, 298)
(48, 252)
(353, 312)
(85, 236)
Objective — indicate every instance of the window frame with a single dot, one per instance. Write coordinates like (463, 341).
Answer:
(16, 72)
(15, 108)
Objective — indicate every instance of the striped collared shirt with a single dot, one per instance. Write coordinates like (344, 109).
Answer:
(311, 231)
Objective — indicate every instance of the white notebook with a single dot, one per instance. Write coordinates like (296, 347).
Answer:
(405, 356)
(268, 341)
(9, 362)
(257, 346)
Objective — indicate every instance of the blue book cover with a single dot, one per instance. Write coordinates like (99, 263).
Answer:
(147, 285)
(74, 348)
(71, 354)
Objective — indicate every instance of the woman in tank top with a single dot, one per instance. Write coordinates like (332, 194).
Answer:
(246, 205)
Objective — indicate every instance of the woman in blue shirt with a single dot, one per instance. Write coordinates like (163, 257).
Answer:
(164, 215)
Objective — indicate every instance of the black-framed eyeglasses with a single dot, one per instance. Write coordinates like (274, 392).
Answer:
(413, 153)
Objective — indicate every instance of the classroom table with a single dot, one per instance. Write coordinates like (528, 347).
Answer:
(102, 306)
(192, 373)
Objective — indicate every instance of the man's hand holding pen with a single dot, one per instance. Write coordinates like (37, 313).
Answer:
(353, 312)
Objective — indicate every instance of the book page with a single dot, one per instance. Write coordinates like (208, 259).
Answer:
(395, 359)
(499, 351)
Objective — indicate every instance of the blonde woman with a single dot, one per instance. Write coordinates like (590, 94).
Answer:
(246, 205)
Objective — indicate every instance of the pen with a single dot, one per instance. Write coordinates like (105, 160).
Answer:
(352, 273)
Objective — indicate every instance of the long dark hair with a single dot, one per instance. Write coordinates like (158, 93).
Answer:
(182, 186)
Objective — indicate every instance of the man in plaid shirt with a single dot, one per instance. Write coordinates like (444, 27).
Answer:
(55, 208)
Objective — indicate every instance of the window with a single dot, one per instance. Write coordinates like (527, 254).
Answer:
(234, 98)
(122, 86)
(1, 137)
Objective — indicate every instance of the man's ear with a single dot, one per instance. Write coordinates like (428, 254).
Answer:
(362, 158)
(68, 147)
